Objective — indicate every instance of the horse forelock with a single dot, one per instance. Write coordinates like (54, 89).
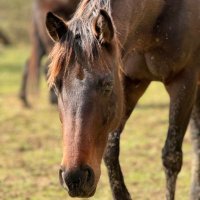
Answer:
(87, 8)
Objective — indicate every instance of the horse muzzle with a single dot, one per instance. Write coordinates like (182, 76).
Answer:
(79, 182)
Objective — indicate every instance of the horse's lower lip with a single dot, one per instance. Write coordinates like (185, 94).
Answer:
(82, 194)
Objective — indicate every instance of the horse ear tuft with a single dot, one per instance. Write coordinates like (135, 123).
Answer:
(56, 27)
(103, 27)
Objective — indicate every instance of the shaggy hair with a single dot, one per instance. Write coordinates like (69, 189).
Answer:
(79, 42)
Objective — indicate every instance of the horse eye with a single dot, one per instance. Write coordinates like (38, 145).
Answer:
(105, 86)
(108, 87)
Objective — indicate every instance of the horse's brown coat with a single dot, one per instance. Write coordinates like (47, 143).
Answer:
(158, 41)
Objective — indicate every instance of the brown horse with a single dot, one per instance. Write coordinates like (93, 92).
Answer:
(104, 59)
(41, 43)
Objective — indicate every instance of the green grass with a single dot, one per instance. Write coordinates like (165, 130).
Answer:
(30, 143)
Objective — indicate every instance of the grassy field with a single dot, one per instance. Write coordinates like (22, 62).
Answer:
(30, 139)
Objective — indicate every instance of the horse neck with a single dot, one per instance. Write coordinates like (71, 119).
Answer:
(134, 18)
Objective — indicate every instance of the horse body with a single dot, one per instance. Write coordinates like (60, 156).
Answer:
(109, 44)
(165, 37)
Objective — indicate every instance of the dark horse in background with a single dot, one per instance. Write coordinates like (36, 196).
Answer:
(104, 59)
(41, 43)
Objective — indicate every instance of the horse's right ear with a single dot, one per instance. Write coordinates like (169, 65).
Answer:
(56, 27)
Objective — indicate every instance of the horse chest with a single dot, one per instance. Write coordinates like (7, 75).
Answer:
(155, 64)
(160, 65)
(158, 59)
(166, 60)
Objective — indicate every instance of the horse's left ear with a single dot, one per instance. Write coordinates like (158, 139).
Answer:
(56, 27)
(103, 27)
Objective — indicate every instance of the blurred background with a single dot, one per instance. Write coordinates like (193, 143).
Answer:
(30, 138)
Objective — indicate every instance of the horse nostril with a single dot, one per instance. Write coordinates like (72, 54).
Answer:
(89, 175)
